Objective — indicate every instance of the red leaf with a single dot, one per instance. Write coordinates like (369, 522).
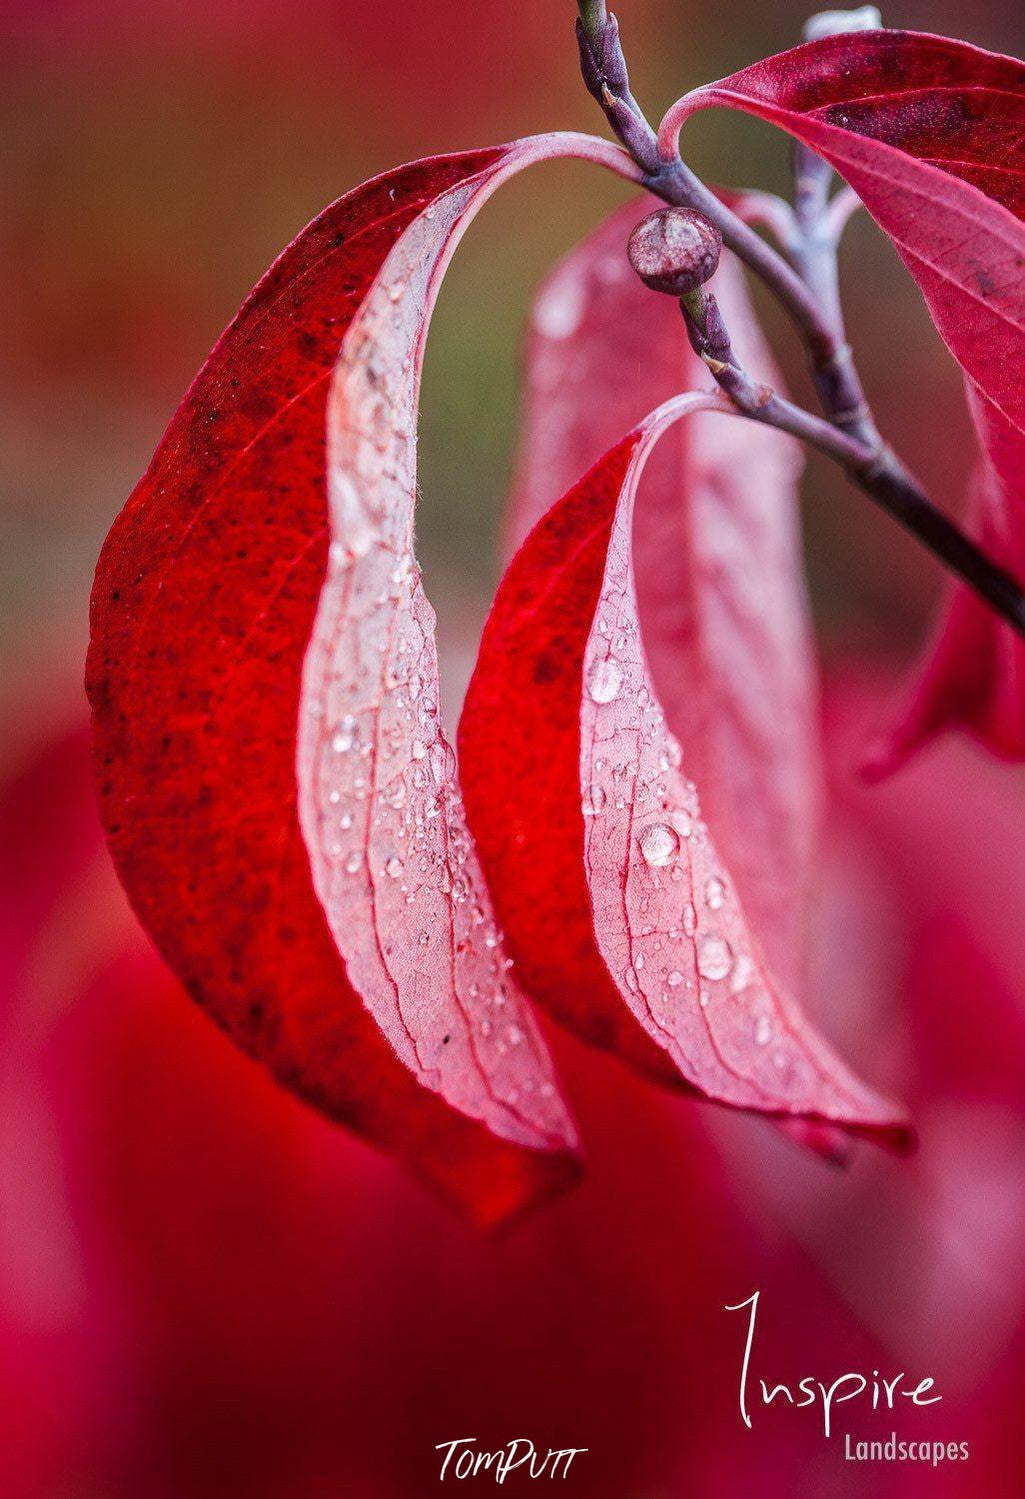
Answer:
(717, 528)
(204, 602)
(562, 716)
(929, 133)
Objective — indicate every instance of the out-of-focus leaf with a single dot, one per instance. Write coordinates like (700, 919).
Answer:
(718, 565)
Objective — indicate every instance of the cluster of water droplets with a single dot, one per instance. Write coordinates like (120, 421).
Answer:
(633, 766)
(405, 896)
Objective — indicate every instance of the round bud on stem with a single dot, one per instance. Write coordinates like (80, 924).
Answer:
(674, 250)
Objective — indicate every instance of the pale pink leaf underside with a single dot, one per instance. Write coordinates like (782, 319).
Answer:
(667, 916)
(392, 860)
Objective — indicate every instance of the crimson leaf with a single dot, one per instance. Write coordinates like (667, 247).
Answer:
(205, 597)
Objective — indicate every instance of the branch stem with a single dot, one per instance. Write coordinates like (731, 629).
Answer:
(804, 282)
(873, 467)
(605, 73)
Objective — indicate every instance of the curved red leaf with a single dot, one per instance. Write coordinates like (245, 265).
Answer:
(931, 134)
(561, 719)
(204, 601)
(716, 531)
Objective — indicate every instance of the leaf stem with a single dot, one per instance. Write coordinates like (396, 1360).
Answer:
(667, 176)
(593, 18)
(813, 250)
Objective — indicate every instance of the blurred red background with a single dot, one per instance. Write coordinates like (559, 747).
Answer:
(204, 1289)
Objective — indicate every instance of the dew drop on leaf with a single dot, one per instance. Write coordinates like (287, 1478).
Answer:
(596, 801)
(715, 958)
(659, 845)
(605, 680)
(344, 735)
(682, 822)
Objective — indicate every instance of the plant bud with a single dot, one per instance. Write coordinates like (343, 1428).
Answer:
(674, 250)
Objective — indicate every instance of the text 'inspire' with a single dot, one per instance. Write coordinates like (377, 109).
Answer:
(810, 1391)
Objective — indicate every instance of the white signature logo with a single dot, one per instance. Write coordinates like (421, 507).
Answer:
(516, 1454)
(882, 1392)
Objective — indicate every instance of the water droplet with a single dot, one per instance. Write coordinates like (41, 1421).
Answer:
(605, 680)
(715, 893)
(659, 845)
(742, 974)
(344, 735)
(715, 958)
(353, 862)
(763, 1030)
(393, 868)
(674, 979)
(690, 920)
(514, 1035)
(682, 822)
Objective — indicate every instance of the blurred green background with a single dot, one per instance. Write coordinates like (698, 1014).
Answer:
(158, 157)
